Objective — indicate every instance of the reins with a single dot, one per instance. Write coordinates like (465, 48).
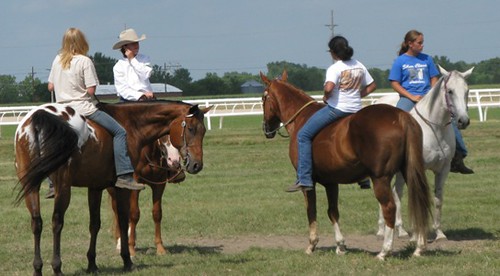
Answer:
(183, 164)
(154, 165)
(289, 120)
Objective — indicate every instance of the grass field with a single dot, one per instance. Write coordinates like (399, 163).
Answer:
(233, 218)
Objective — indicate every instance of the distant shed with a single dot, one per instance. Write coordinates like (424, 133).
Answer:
(252, 86)
(160, 90)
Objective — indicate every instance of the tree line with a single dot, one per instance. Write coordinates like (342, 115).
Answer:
(307, 78)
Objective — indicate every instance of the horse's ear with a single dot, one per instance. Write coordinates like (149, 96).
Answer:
(264, 79)
(443, 71)
(467, 73)
(195, 109)
(284, 75)
(205, 110)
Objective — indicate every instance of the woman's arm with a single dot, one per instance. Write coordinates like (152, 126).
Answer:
(403, 92)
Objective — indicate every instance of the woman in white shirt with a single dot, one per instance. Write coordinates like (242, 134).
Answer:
(132, 72)
(347, 81)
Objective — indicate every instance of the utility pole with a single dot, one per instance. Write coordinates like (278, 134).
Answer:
(331, 26)
(32, 83)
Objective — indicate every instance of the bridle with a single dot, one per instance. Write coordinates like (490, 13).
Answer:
(164, 156)
(277, 130)
(449, 106)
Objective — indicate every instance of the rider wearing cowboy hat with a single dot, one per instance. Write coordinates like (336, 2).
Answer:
(132, 72)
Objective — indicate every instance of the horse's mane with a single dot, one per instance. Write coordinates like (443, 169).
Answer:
(143, 102)
(437, 86)
(295, 90)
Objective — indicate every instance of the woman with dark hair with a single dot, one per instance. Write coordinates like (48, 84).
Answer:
(347, 81)
(412, 75)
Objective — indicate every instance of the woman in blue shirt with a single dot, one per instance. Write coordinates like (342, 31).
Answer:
(412, 75)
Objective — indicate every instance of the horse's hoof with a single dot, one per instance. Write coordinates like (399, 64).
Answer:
(381, 257)
(341, 250)
(403, 234)
(309, 251)
(417, 253)
(440, 238)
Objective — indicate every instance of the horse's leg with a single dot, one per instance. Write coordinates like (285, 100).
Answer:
(135, 215)
(397, 193)
(439, 180)
(61, 203)
(310, 200)
(383, 193)
(157, 216)
(123, 209)
(115, 227)
(32, 201)
(332, 194)
(94, 200)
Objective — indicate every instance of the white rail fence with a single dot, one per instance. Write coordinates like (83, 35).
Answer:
(482, 99)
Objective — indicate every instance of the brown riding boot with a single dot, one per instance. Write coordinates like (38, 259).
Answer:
(458, 166)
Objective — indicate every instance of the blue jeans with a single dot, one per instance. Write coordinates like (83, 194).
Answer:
(123, 164)
(406, 105)
(317, 122)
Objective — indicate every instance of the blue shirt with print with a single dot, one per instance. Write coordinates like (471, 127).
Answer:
(414, 73)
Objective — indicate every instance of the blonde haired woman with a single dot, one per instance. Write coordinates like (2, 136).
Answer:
(73, 79)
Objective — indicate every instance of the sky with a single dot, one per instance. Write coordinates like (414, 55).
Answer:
(219, 36)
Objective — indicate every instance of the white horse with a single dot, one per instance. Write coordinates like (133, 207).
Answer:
(434, 112)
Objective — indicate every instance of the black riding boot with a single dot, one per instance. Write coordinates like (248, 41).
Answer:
(458, 166)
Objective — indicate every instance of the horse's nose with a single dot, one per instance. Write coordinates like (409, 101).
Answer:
(195, 167)
(463, 123)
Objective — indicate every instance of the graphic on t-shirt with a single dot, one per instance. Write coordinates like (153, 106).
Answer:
(351, 79)
(416, 72)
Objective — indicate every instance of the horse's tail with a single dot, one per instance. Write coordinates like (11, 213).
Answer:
(419, 202)
(53, 142)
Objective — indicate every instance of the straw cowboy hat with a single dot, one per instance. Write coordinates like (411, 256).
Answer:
(128, 36)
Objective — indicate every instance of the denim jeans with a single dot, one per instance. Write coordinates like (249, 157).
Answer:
(317, 122)
(406, 105)
(460, 147)
(122, 161)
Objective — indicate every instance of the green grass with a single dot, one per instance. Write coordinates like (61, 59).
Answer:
(239, 194)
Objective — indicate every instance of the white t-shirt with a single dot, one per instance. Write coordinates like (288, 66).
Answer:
(70, 85)
(349, 78)
(132, 77)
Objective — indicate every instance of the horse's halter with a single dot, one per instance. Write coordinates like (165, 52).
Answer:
(277, 130)
(449, 105)
(164, 155)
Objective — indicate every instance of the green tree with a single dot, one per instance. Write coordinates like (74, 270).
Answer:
(104, 68)
(380, 77)
(234, 80)
(210, 85)
(303, 77)
(159, 75)
(9, 92)
(181, 79)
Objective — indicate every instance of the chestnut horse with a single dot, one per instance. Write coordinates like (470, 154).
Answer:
(377, 141)
(159, 163)
(54, 140)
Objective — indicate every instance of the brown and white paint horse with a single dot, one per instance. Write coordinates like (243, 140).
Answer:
(54, 140)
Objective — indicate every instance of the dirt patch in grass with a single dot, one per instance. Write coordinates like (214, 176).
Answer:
(356, 243)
